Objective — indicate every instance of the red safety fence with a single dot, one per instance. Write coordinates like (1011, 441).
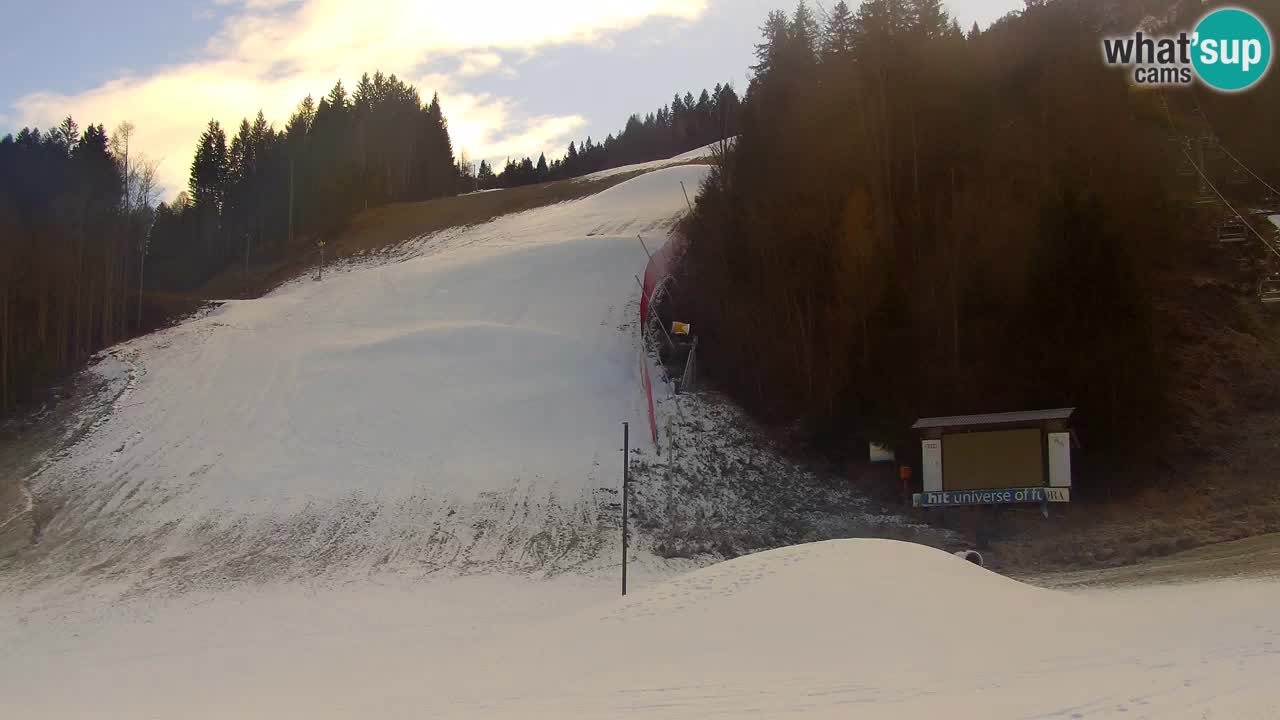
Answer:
(661, 265)
(648, 393)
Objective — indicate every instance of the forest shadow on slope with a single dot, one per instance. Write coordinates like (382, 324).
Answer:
(917, 221)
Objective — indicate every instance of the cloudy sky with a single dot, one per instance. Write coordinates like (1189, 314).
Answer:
(515, 77)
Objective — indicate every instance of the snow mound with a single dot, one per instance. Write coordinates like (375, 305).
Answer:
(884, 629)
(828, 598)
(853, 628)
(882, 578)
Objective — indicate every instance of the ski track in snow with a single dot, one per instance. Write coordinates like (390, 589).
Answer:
(695, 154)
(455, 408)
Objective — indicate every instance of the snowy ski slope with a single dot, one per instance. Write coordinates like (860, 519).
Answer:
(391, 495)
(692, 155)
(458, 409)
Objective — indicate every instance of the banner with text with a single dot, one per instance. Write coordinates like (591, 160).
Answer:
(1006, 496)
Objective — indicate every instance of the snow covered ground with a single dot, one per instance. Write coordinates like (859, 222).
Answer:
(695, 154)
(392, 494)
(459, 409)
(854, 628)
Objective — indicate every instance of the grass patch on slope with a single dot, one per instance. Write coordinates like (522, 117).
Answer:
(385, 227)
(389, 225)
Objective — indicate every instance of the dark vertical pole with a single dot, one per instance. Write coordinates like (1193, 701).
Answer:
(142, 276)
(626, 476)
(290, 203)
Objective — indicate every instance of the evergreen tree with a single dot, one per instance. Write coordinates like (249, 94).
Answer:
(728, 113)
(299, 126)
(436, 157)
(803, 32)
(893, 282)
(838, 39)
(928, 18)
(97, 166)
(688, 122)
(878, 20)
(63, 204)
(208, 183)
(364, 96)
(67, 134)
(776, 31)
(485, 177)
(337, 97)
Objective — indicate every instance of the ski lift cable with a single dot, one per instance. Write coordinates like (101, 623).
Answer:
(1225, 149)
(1246, 169)
(1164, 100)
(1229, 205)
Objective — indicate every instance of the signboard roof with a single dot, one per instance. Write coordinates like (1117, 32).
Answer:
(994, 419)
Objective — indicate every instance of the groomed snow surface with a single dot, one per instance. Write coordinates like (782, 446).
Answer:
(841, 629)
(392, 494)
(706, 151)
(458, 409)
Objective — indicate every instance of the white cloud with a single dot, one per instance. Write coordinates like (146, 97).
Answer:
(489, 129)
(271, 53)
(983, 12)
(481, 63)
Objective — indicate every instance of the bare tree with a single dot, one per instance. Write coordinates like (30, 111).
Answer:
(120, 139)
(467, 171)
(142, 178)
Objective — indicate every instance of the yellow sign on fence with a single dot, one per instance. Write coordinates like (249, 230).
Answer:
(679, 328)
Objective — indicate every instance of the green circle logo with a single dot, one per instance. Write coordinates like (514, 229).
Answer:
(1232, 49)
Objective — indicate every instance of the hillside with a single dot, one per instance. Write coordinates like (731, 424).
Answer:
(457, 408)
(1000, 222)
(449, 402)
(352, 433)
(395, 492)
